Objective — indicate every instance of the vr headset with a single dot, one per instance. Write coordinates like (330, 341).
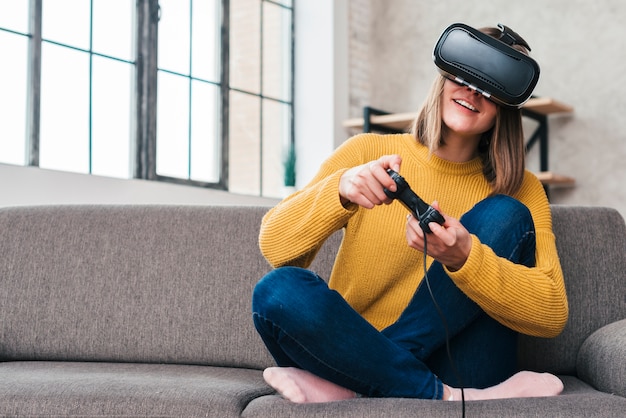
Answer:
(487, 65)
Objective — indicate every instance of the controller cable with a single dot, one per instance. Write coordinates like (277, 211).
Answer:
(445, 327)
(425, 214)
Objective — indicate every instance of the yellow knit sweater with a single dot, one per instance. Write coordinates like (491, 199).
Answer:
(377, 272)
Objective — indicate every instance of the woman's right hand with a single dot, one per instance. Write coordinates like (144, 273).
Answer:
(363, 185)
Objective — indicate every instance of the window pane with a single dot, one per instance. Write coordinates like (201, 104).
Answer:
(287, 3)
(276, 142)
(206, 38)
(64, 140)
(113, 28)
(276, 51)
(174, 36)
(205, 138)
(13, 98)
(66, 22)
(245, 57)
(14, 15)
(244, 144)
(111, 130)
(172, 126)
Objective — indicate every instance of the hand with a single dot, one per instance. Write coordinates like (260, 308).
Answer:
(364, 184)
(449, 244)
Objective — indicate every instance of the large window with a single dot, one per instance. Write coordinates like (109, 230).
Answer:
(188, 99)
(190, 91)
(13, 80)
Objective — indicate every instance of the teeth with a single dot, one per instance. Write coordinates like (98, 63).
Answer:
(467, 105)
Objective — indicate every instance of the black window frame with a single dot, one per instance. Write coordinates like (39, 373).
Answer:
(145, 95)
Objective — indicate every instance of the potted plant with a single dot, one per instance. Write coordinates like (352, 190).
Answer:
(289, 174)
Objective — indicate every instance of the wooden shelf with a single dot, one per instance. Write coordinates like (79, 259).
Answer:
(402, 121)
(547, 106)
(552, 179)
(397, 121)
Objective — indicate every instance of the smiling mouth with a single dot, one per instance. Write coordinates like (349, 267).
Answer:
(466, 105)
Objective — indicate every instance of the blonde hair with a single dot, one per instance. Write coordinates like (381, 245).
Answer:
(501, 148)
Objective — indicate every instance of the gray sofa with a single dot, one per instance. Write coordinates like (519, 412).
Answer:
(145, 311)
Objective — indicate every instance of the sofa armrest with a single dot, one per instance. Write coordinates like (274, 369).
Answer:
(600, 360)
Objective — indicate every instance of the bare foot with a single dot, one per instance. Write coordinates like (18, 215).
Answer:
(521, 385)
(300, 386)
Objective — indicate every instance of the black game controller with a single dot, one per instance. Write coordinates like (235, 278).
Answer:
(420, 209)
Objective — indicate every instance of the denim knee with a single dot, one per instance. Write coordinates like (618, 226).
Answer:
(282, 288)
(506, 225)
(497, 214)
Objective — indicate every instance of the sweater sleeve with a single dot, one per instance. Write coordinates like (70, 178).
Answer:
(293, 231)
(529, 300)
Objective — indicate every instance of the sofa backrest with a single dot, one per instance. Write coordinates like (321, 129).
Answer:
(173, 283)
(591, 242)
(130, 284)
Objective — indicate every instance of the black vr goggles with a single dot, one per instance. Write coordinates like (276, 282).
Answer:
(487, 65)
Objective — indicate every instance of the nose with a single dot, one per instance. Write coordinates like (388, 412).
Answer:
(474, 90)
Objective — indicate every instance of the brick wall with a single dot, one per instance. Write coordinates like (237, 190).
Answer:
(359, 73)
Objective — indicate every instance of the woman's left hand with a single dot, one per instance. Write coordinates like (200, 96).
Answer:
(449, 244)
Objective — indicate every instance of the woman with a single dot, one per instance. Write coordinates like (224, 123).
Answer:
(380, 327)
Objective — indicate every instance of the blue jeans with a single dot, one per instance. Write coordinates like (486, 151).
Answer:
(305, 324)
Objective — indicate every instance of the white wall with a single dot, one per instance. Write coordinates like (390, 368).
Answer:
(321, 82)
(35, 186)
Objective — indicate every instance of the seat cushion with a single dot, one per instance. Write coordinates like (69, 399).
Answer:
(577, 400)
(125, 389)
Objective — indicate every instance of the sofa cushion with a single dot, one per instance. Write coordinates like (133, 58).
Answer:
(131, 284)
(591, 243)
(578, 400)
(116, 389)
(602, 358)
